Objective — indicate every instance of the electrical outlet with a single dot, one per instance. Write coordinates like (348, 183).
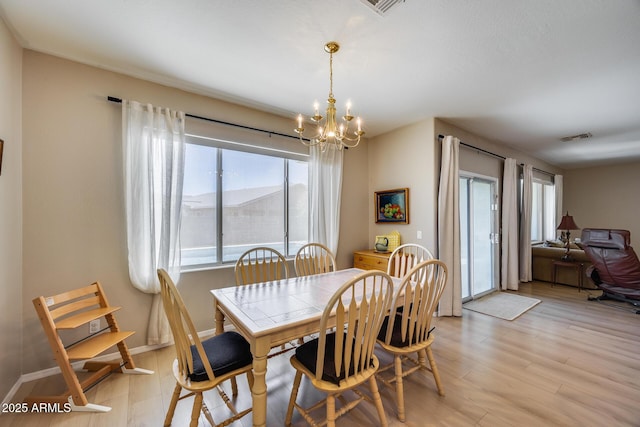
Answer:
(94, 326)
(419, 234)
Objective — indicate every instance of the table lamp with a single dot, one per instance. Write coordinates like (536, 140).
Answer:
(567, 224)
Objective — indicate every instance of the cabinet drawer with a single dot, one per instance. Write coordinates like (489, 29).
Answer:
(370, 262)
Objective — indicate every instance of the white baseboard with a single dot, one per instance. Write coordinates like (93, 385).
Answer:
(32, 376)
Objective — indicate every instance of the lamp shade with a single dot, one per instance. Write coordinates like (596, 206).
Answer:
(567, 223)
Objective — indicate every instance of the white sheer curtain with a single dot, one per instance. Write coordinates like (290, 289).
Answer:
(525, 223)
(557, 184)
(510, 248)
(154, 147)
(325, 189)
(449, 226)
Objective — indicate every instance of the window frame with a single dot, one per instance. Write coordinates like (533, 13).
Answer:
(547, 232)
(222, 145)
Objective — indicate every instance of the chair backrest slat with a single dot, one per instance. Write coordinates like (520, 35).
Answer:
(73, 301)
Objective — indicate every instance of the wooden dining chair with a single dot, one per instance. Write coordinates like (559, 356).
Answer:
(405, 257)
(202, 365)
(260, 264)
(263, 264)
(342, 359)
(408, 330)
(314, 258)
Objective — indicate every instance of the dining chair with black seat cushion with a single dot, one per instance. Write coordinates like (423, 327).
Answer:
(314, 258)
(342, 358)
(261, 264)
(405, 257)
(202, 365)
(409, 330)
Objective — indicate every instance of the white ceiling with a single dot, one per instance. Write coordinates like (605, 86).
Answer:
(525, 73)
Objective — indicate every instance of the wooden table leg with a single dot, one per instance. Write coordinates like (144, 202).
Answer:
(260, 349)
(219, 319)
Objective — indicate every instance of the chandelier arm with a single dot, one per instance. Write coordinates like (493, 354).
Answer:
(354, 141)
(310, 141)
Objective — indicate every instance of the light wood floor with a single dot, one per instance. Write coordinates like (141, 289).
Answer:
(566, 362)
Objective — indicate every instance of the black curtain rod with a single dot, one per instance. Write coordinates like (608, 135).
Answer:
(441, 137)
(193, 116)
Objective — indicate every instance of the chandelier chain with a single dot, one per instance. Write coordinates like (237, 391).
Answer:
(331, 75)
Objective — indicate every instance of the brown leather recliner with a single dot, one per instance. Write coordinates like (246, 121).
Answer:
(616, 268)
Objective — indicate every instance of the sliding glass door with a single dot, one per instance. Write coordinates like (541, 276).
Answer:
(478, 235)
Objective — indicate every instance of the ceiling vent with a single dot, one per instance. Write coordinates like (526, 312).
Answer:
(381, 6)
(576, 137)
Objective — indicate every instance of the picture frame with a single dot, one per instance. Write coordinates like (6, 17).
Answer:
(392, 206)
(1, 149)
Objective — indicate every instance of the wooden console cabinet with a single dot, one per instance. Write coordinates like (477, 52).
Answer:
(371, 260)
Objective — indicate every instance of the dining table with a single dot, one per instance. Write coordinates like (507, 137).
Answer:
(273, 313)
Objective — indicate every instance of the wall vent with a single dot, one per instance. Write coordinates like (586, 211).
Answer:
(576, 137)
(381, 7)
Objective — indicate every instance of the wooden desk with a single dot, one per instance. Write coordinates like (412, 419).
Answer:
(577, 265)
(272, 313)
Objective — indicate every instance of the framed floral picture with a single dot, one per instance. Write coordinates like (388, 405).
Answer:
(392, 206)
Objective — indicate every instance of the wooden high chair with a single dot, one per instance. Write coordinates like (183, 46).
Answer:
(70, 310)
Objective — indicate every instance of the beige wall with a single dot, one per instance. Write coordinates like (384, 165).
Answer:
(605, 196)
(72, 189)
(10, 211)
(407, 157)
(478, 162)
(73, 199)
(410, 157)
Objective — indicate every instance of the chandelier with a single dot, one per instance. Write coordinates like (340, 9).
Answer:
(329, 131)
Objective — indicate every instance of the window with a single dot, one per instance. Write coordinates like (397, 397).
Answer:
(543, 215)
(237, 197)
